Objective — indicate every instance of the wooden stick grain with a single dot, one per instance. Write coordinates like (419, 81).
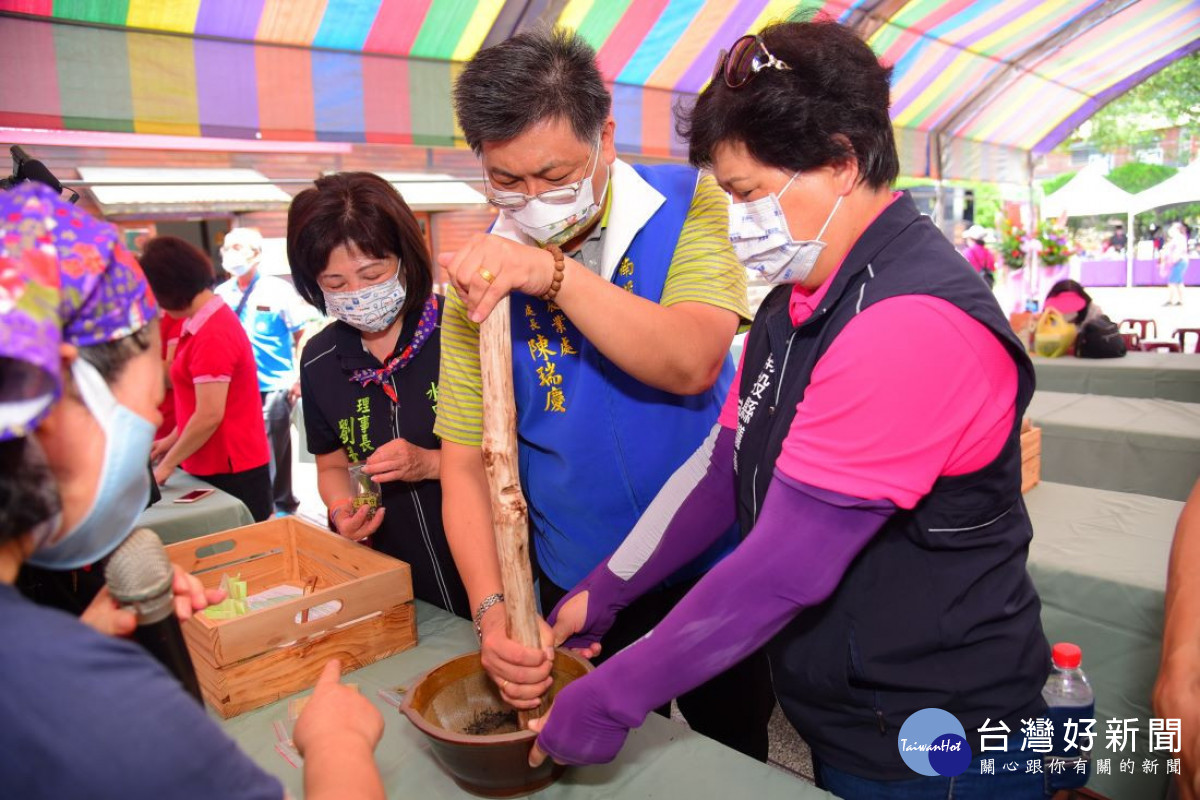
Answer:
(510, 515)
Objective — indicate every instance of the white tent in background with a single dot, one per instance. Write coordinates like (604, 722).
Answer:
(1182, 187)
(1087, 194)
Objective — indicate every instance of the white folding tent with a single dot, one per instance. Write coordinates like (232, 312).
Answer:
(1182, 187)
(1088, 194)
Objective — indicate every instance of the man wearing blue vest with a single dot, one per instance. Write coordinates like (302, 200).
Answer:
(274, 317)
(625, 296)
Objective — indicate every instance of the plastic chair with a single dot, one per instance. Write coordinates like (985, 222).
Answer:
(1182, 333)
(1160, 345)
(1132, 341)
(1141, 327)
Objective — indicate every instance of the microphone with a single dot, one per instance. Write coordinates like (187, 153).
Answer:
(31, 169)
(139, 577)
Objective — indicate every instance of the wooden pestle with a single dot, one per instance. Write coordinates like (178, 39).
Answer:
(510, 515)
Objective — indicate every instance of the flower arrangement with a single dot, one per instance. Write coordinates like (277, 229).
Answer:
(1055, 249)
(1012, 244)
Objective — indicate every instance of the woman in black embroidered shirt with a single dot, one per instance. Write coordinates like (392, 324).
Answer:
(369, 380)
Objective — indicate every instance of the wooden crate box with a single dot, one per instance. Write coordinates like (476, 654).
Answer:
(252, 660)
(1031, 456)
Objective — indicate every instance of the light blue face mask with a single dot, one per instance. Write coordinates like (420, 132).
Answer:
(124, 487)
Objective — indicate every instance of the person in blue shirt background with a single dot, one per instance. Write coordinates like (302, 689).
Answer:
(274, 317)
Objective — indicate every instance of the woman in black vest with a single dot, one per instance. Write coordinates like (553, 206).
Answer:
(369, 380)
(870, 450)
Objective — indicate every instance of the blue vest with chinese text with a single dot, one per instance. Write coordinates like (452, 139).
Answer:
(596, 444)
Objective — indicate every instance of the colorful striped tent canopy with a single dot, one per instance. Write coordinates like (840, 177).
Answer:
(978, 86)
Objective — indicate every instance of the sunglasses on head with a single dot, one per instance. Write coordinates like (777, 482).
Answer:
(748, 56)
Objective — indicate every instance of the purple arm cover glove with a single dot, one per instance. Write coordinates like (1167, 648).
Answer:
(795, 557)
(705, 513)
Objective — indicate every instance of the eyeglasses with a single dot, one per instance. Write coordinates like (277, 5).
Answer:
(744, 60)
(561, 195)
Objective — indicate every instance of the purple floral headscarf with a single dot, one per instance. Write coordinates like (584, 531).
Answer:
(64, 277)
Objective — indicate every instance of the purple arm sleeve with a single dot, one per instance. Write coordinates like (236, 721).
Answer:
(692, 510)
(795, 557)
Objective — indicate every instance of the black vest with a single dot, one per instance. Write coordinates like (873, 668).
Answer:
(938, 609)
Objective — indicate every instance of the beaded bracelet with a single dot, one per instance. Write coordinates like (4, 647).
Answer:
(556, 282)
(487, 603)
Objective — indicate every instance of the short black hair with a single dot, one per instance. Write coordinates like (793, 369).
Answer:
(534, 76)
(831, 106)
(177, 271)
(360, 208)
(28, 491)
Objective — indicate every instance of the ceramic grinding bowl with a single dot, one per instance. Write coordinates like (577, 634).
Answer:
(473, 733)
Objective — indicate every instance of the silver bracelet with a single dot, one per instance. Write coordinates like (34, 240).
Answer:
(487, 603)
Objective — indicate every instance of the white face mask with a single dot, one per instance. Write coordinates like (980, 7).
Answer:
(762, 242)
(555, 223)
(371, 308)
(237, 262)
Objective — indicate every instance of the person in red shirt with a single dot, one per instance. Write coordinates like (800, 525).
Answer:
(169, 333)
(218, 436)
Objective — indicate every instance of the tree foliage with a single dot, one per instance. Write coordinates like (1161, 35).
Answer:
(1170, 97)
(988, 203)
(1052, 185)
(1136, 177)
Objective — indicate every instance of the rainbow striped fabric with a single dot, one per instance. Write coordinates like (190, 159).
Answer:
(984, 81)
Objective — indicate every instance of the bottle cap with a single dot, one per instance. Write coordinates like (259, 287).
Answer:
(1066, 655)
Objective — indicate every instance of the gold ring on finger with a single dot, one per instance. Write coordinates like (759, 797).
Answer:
(486, 274)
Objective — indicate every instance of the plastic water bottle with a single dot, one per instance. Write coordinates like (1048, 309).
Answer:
(1069, 697)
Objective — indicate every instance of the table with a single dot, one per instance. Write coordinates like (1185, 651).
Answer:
(1168, 376)
(1098, 559)
(661, 759)
(1127, 444)
(1113, 272)
(1099, 562)
(175, 522)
